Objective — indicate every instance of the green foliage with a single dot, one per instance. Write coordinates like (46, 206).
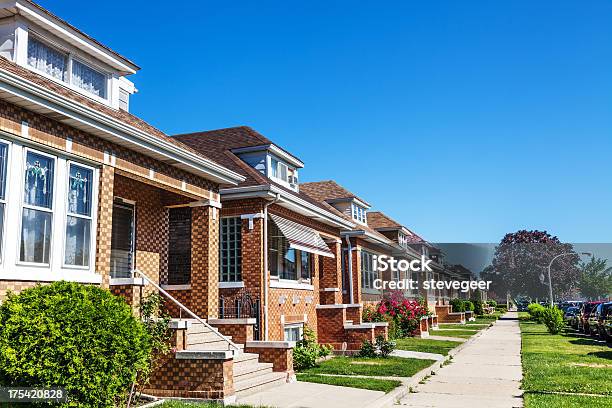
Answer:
(492, 303)
(155, 320)
(552, 317)
(307, 350)
(384, 347)
(368, 349)
(79, 337)
(595, 279)
(478, 306)
(468, 305)
(535, 311)
(458, 305)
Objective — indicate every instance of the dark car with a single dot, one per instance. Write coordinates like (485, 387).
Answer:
(603, 314)
(570, 316)
(585, 314)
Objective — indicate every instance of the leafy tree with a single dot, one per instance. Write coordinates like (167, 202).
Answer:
(595, 279)
(521, 260)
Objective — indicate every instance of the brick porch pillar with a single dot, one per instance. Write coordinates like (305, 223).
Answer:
(205, 259)
(331, 276)
(357, 276)
(105, 224)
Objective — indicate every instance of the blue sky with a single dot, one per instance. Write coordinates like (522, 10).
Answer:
(464, 120)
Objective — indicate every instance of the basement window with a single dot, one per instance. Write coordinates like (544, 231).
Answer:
(294, 332)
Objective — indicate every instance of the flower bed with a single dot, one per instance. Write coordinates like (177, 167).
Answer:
(402, 314)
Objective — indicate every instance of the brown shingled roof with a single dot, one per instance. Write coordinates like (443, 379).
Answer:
(377, 219)
(117, 114)
(328, 190)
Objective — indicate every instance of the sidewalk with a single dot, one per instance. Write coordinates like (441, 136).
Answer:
(486, 373)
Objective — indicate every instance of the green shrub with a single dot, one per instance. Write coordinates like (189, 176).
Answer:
(307, 350)
(552, 317)
(468, 305)
(478, 306)
(458, 305)
(384, 347)
(535, 311)
(492, 303)
(79, 337)
(368, 349)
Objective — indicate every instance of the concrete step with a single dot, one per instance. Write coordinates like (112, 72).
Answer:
(245, 359)
(261, 383)
(193, 338)
(251, 370)
(217, 345)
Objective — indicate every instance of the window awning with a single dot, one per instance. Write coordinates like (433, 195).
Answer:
(302, 237)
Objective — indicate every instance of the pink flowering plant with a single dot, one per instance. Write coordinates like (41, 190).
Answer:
(402, 314)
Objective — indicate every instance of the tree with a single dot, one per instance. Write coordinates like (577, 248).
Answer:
(595, 278)
(521, 260)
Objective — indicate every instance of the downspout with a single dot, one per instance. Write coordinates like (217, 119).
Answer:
(350, 269)
(266, 269)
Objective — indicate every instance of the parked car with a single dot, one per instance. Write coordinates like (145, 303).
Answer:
(570, 303)
(585, 313)
(603, 314)
(571, 315)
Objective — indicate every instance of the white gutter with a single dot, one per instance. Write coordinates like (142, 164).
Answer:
(16, 85)
(350, 268)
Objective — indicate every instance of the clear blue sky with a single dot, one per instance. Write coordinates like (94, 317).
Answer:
(462, 119)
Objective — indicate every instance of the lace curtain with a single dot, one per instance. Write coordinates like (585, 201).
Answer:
(47, 59)
(88, 79)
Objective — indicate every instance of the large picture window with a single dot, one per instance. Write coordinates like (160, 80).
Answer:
(368, 274)
(285, 262)
(230, 243)
(79, 218)
(37, 212)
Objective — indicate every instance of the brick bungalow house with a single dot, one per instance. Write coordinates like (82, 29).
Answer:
(280, 249)
(90, 193)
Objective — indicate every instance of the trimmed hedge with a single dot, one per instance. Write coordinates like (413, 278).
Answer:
(74, 336)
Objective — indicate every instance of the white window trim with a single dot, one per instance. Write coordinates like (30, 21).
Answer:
(270, 160)
(71, 55)
(290, 284)
(299, 326)
(52, 210)
(91, 218)
(239, 224)
(4, 201)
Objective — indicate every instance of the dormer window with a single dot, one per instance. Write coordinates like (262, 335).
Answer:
(283, 173)
(62, 66)
(359, 213)
(403, 240)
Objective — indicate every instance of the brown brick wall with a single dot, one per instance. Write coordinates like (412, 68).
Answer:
(105, 223)
(292, 313)
(14, 287)
(205, 261)
(281, 358)
(240, 333)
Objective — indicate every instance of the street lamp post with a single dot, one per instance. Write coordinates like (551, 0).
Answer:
(550, 291)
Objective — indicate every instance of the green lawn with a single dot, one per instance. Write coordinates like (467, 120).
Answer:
(467, 326)
(353, 382)
(564, 363)
(180, 404)
(454, 333)
(384, 367)
(426, 345)
(565, 401)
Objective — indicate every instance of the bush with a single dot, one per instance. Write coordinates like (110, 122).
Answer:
(307, 351)
(552, 317)
(74, 336)
(368, 349)
(384, 347)
(402, 314)
(492, 303)
(478, 306)
(458, 305)
(535, 311)
(468, 305)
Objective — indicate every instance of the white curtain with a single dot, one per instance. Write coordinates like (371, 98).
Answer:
(88, 79)
(47, 59)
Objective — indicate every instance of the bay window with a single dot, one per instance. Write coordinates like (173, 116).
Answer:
(37, 209)
(49, 216)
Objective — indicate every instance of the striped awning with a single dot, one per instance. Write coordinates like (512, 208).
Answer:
(302, 237)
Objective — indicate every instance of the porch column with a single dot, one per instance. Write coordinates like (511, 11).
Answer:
(105, 224)
(205, 259)
(331, 276)
(357, 275)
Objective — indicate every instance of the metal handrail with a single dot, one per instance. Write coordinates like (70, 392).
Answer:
(189, 312)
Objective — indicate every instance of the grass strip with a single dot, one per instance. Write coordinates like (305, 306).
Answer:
(373, 384)
(454, 333)
(380, 367)
(427, 345)
(537, 400)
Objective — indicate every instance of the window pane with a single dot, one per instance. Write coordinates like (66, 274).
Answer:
(78, 233)
(305, 265)
(1, 228)
(274, 168)
(122, 241)
(79, 190)
(88, 79)
(47, 59)
(230, 245)
(38, 188)
(35, 236)
(3, 164)
(289, 270)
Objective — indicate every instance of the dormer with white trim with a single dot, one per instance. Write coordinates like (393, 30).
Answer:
(35, 39)
(274, 163)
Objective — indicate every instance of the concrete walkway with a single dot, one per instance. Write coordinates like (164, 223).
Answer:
(417, 354)
(485, 373)
(304, 394)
